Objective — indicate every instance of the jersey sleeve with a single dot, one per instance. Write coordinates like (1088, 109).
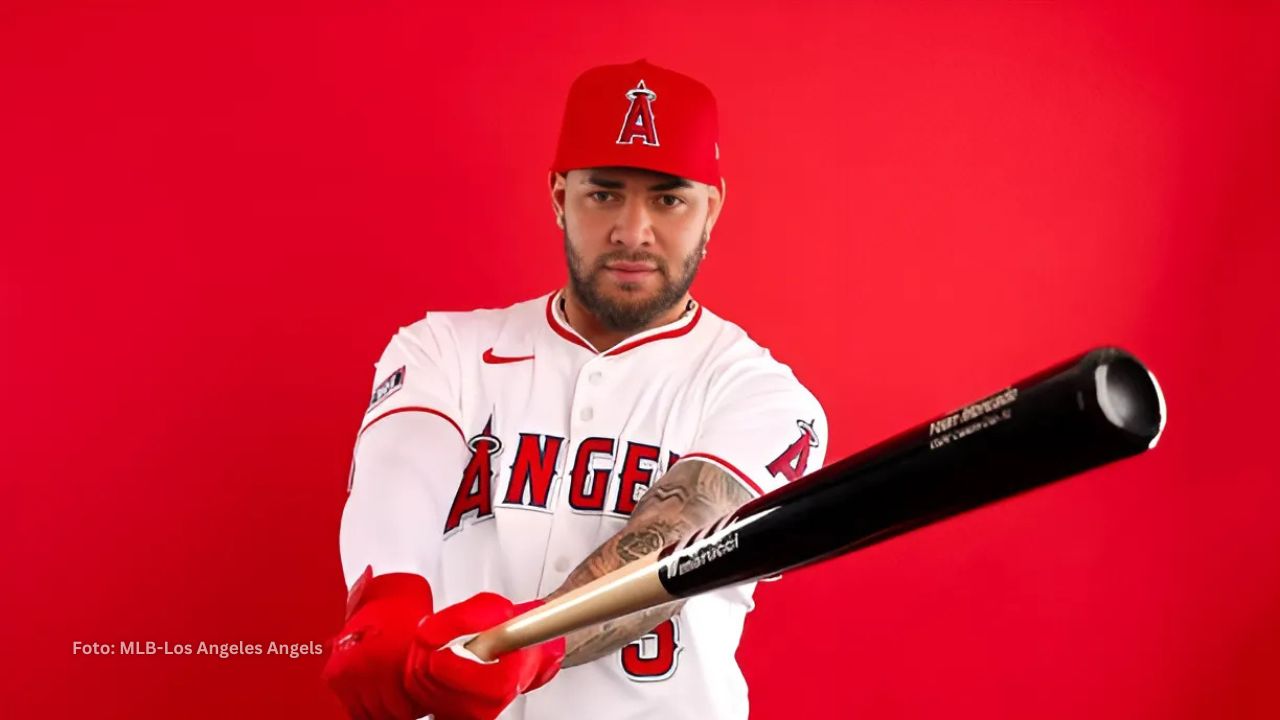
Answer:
(762, 426)
(409, 449)
(417, 372)
(401, 477)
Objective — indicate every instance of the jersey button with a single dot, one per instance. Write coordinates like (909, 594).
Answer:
(594, 378)
(586, 414)
(562, 564)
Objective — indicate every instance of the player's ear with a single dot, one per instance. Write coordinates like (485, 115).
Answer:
(557, 183)
(715, 203)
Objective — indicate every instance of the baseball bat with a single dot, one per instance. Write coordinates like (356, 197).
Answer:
(1096, 408)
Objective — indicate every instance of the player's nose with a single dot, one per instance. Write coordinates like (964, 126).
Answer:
(634, 225)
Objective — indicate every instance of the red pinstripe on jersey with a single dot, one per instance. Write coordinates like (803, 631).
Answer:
(431, 411)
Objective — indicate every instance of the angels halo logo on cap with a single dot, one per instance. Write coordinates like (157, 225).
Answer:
(639, 121)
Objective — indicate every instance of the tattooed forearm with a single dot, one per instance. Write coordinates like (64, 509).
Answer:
(650, 538)
(690, 495)
(595, 642)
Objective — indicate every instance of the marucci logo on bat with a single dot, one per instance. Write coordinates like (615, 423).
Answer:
(711, 543)
(704, 555)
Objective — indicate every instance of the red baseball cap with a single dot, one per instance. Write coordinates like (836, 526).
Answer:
(643, 116)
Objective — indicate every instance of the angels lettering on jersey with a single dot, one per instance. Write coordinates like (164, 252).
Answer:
(598, 482)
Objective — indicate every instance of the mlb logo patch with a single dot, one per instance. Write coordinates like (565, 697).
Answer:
(386, 389)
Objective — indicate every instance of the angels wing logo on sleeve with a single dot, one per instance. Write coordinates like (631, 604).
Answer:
(386, 389)
(794, 461)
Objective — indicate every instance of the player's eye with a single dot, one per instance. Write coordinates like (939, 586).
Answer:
(670, 200)
(599, 196)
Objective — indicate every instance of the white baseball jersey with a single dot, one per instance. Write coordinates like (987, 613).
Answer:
(560, 443)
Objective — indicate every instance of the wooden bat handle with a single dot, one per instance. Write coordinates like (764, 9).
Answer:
(628, 589)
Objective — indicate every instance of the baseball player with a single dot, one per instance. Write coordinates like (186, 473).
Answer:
(509, 456)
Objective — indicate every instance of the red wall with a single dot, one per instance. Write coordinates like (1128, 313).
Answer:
(211, 221)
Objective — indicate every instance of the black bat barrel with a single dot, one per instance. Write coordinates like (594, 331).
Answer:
(1096, 408)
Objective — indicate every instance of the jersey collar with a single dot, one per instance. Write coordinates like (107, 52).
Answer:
(685, 323)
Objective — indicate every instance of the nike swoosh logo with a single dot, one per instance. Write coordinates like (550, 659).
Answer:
(492, 359)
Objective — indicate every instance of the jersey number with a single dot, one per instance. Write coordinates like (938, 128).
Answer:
(653, 655)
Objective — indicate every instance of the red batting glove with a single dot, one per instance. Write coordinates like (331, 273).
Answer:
(366, 666)
(459, 688)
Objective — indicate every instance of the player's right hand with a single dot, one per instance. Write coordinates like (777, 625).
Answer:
(367, 661)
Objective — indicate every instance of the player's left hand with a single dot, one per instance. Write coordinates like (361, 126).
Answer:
(366, 666)
(455, 685)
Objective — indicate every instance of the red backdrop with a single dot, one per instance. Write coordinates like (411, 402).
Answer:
(212, 220)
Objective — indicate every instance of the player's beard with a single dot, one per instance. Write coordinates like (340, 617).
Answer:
(623, 315)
